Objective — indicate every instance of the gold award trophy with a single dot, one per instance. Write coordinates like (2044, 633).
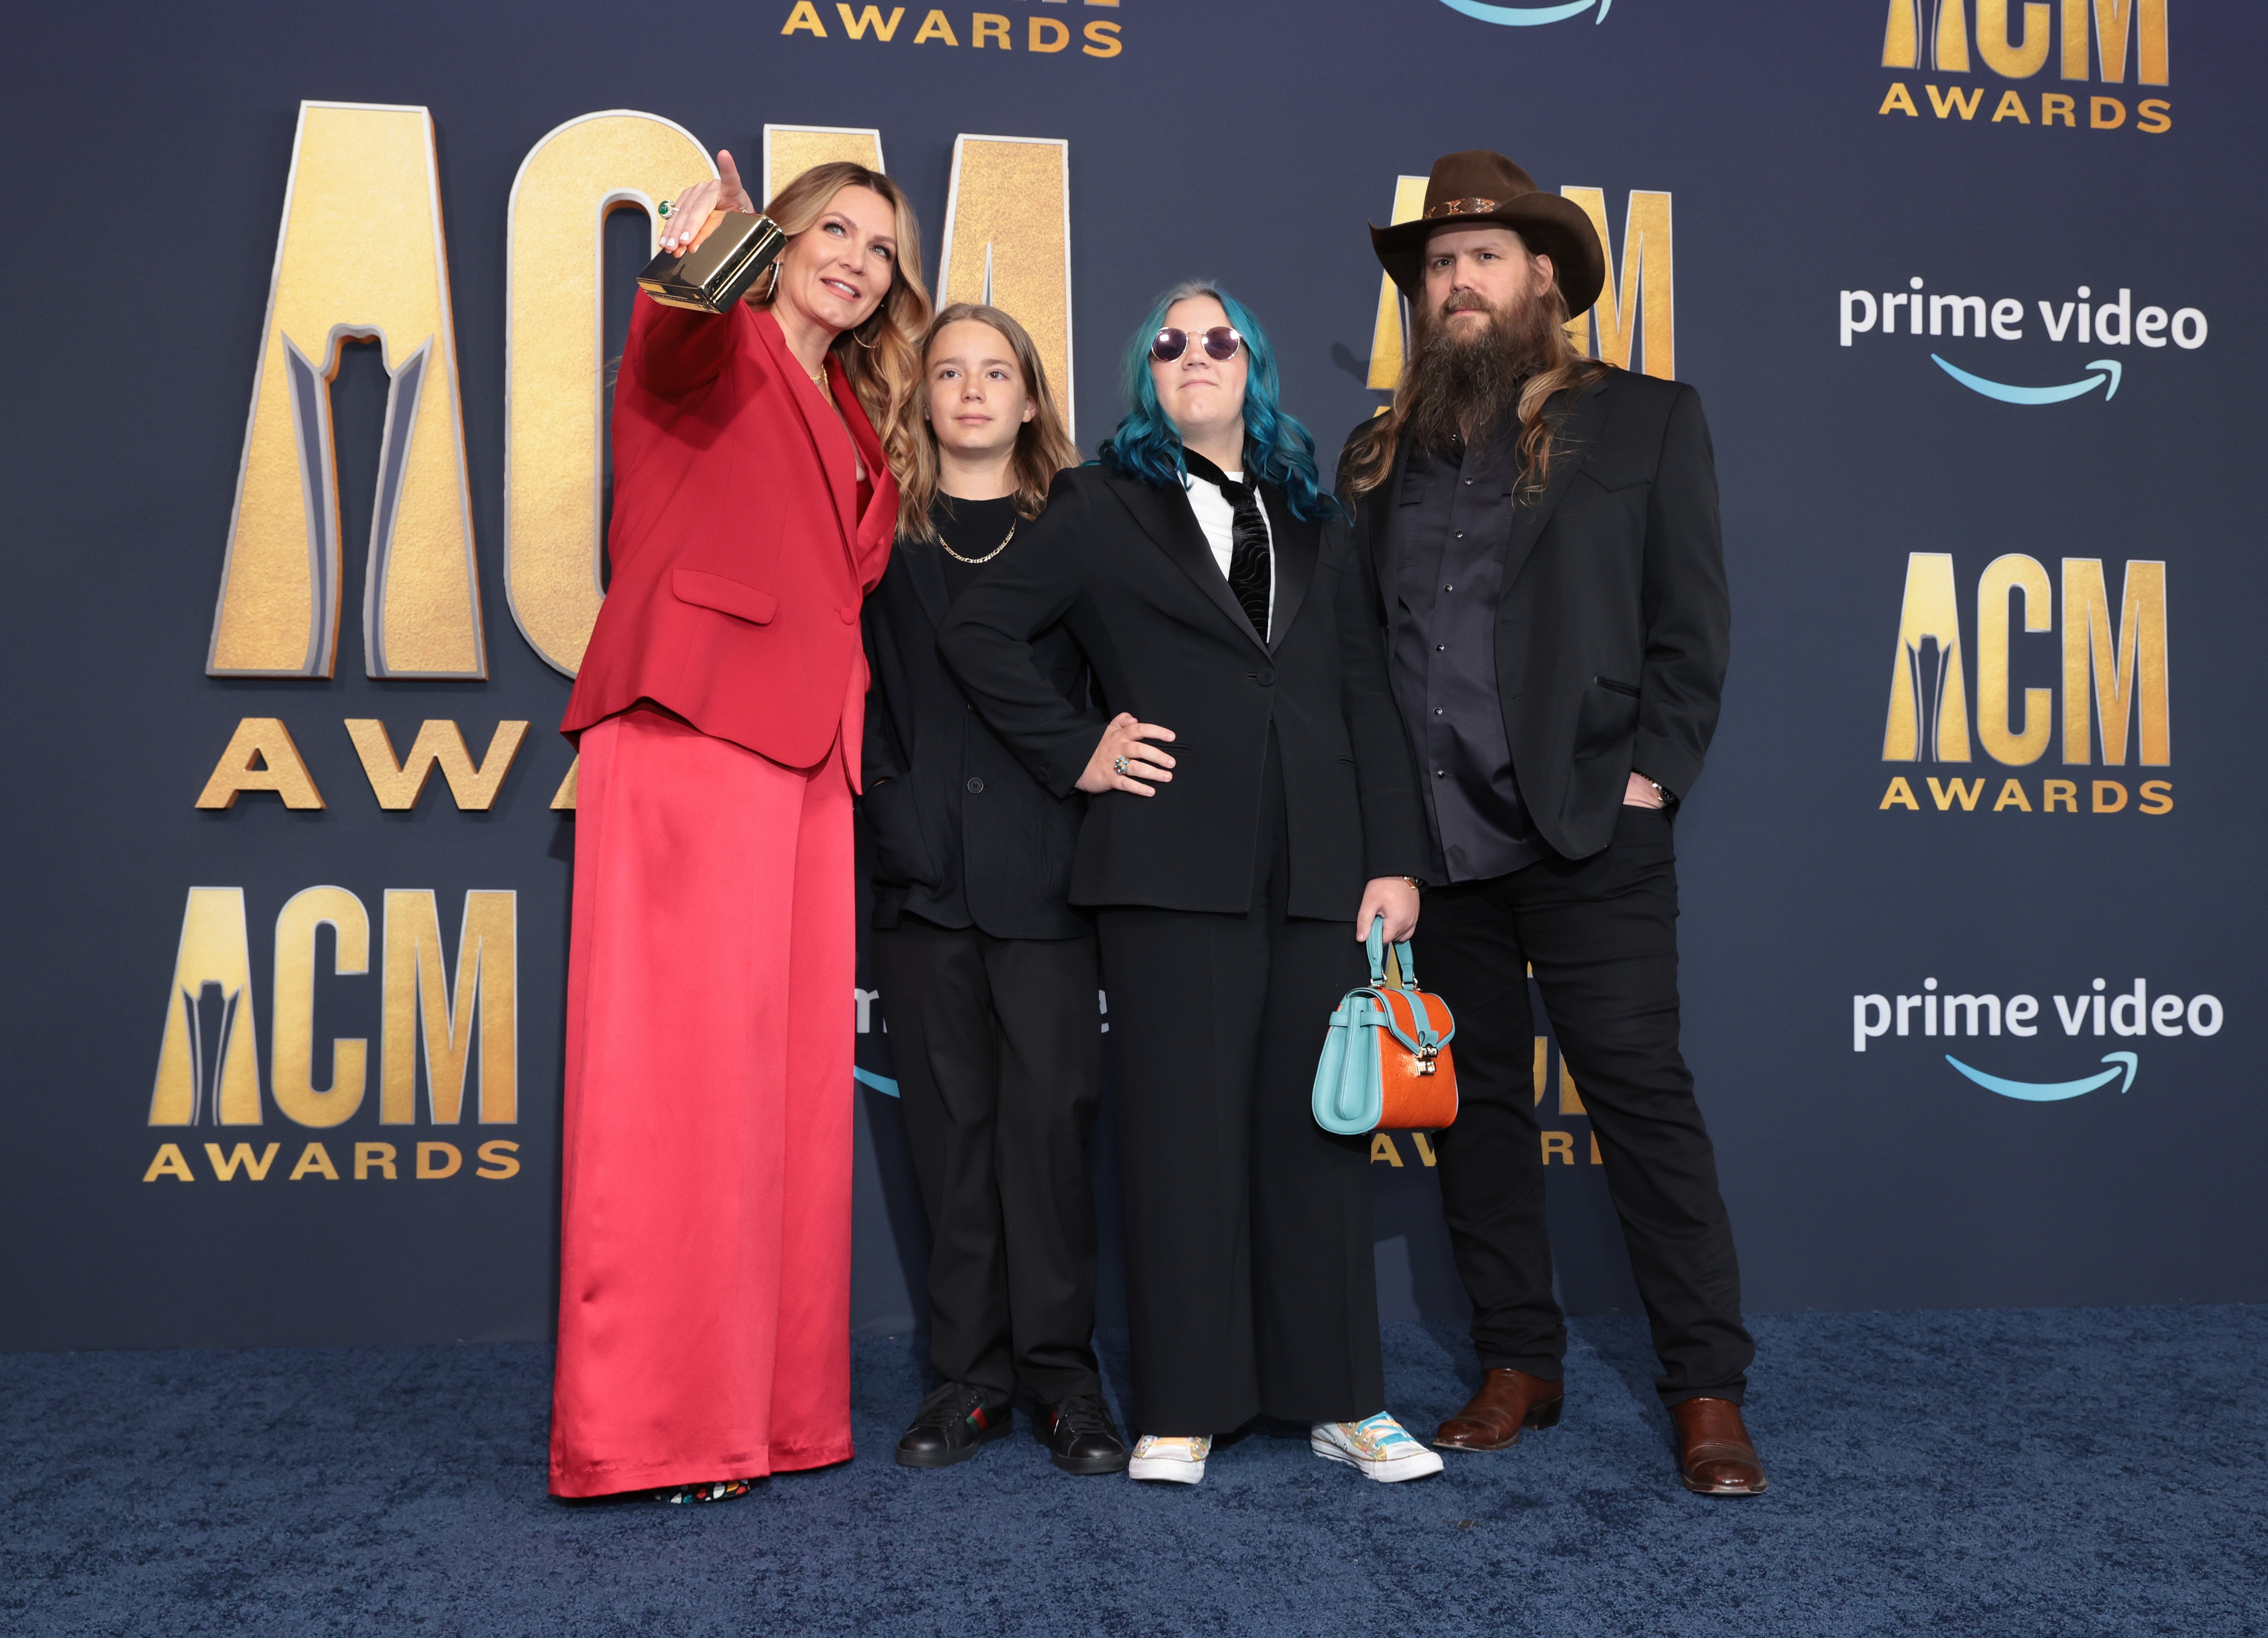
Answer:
(732, 247)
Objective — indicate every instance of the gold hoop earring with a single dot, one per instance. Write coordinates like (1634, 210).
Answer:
(862, 340)
(771, 291)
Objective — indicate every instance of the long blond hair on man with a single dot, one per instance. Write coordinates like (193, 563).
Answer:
(1044, 448)
(882, 357)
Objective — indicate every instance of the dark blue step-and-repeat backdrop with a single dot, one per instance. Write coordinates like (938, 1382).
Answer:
(309, 311)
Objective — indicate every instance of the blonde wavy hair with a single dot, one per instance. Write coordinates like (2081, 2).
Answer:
(882, 357)
(1044, 448)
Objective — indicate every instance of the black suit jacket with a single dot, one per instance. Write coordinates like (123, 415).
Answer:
(1125, 569)
(1614, 627)
(929, 756)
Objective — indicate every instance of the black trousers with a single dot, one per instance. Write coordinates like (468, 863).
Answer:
(998, 1044)
(1251, 1283)
(1601, 933)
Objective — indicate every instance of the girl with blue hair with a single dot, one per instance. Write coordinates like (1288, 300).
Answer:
(1206, 577)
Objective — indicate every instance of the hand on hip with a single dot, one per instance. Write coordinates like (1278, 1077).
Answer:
(1123, 759)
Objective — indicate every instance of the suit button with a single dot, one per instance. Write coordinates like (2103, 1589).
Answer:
(976, 786)
(1265, 679)
(849, 616)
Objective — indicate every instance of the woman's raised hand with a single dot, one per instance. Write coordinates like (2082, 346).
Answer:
(1122, 760)
(690, 211)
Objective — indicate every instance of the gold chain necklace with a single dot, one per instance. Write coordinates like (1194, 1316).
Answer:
(988, 557)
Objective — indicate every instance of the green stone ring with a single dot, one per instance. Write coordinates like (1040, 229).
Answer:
(664, 209)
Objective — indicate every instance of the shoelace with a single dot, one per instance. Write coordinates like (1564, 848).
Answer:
(1083, 1415)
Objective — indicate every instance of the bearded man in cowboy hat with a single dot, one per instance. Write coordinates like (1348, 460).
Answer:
(1542, 531)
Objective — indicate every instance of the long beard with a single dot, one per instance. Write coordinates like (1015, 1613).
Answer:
(1464, 385)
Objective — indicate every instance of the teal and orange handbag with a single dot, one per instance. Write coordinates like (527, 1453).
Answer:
(1386, 1062)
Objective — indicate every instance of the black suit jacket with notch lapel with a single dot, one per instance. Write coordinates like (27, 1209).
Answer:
(1125, 569)
(1613, 626)
(925, 747)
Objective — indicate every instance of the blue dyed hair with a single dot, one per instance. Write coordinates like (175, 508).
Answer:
(1276, 448)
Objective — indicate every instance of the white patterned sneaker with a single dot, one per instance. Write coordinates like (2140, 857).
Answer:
(1174, 1461)
(1378, 1446)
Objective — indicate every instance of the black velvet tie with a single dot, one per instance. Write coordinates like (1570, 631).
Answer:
(1249, 570)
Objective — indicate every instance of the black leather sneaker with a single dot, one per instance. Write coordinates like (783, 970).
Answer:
(1080, 1436)
(953, 1424)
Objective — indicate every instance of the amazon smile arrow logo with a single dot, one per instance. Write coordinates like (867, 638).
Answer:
(2111, 370)
(1529, 16)
(2054, 1092)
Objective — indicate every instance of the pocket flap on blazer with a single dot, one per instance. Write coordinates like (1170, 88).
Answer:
(1616, 469)
(725, 595)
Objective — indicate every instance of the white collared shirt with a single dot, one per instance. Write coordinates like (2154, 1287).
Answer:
(1217, 519)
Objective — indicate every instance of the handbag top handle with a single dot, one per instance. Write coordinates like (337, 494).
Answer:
(1374, 943)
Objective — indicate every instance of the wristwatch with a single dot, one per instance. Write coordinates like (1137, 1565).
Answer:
(1414, 885)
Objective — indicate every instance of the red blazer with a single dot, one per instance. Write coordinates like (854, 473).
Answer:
(739, 557)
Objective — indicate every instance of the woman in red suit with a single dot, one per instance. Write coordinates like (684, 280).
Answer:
(706, 1199)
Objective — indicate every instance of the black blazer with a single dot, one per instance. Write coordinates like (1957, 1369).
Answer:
(1615, 625)
(1125, 569)
(928, 755)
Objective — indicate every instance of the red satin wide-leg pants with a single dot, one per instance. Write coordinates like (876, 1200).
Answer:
(704, 1278)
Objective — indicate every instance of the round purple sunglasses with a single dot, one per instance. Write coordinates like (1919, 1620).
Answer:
(1219, 343)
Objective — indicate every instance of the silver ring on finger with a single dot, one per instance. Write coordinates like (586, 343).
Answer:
(1123, 766)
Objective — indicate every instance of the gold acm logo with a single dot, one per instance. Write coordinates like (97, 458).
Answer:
(2110, 662)
(462, 1034)
(1985, 62)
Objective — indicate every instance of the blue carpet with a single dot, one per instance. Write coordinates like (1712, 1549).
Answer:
(2047, 1472)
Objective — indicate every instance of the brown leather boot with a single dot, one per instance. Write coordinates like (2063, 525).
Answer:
(1715, 1456)
(1508, 1400)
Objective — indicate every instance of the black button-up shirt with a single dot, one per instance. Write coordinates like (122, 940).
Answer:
(1451, 523)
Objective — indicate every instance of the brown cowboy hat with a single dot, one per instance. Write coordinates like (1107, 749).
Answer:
(1474, 187)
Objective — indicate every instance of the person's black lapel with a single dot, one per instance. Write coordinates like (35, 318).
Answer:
(1295, 542)
(1571, 441)
(1165, 517)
